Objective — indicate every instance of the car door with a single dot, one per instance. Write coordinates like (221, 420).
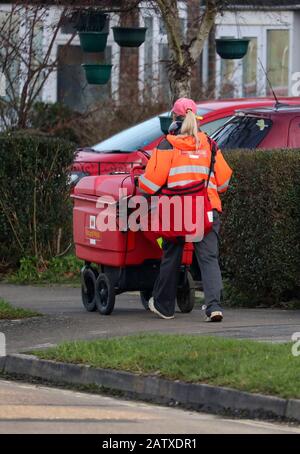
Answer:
(294, 133)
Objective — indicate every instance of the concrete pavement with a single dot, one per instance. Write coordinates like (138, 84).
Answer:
(65, 319)
(36, 409)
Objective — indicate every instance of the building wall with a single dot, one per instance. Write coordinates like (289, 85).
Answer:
(274, 34)
(141, 74)
(69, 66)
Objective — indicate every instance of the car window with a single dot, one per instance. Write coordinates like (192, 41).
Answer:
(212, 126)
(136, 137)
(242, 132)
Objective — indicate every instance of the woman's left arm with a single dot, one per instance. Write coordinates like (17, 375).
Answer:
(222, 173)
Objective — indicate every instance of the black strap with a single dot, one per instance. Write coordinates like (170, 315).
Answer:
(213, 149)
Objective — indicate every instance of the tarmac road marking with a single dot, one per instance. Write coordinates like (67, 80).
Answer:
(46, 412)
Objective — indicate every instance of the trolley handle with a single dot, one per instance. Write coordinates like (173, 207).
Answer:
(132, 175)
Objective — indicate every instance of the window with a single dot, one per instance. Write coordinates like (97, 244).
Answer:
(278, 60)
(243, 132)
(136, 137)
(162, 28)
(37, 55)
(10, 54)
(72, 87)
(68, 26)
(132, 138)
(183, 26)
(148, 61)
(212, 126)
(163, 72)
(227, 78)
(249, 70)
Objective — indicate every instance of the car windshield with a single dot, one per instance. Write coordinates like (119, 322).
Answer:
(136, 137)
(242, 132)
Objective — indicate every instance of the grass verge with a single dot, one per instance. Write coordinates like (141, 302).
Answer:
(245, 365)
(8, 312)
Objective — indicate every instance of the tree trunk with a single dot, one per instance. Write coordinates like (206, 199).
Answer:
(185, 54)
(180, 80)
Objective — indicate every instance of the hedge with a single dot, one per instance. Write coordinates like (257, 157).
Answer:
(260, 237)
(35, 208)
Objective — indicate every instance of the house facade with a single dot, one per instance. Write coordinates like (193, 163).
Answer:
(141, 74)
(274, 47)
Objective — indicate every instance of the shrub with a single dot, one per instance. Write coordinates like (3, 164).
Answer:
(90, 127)
(56, 270)
(55, 119)
(260, 239)
(35, 208)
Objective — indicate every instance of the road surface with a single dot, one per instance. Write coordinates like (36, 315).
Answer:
(32, 409)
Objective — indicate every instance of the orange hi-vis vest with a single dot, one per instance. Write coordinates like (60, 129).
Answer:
(183, 165)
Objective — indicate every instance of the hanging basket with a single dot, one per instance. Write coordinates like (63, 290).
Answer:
(129, 37)
(97, 74)
(165, 123)
(93, 41)
(89, 20)
(232, 49)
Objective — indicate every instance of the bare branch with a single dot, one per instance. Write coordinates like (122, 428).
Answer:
(170, 15)
(205, 26)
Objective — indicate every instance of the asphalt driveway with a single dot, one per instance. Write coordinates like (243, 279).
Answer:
(65, 319)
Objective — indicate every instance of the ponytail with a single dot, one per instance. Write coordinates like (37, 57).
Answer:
(190, 126)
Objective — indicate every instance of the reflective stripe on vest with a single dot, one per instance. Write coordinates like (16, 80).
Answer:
(173, 184)
(224, 186)
(149, 184)
(180, 183)
(189, 169)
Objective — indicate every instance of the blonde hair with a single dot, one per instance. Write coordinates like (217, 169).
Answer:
(190, 126)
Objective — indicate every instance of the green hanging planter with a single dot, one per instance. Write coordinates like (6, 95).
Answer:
(97, 74)
(93, 41)
(165, 123)
(232, 49)
(129, 37)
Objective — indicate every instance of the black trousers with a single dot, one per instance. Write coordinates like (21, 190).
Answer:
(207, 253)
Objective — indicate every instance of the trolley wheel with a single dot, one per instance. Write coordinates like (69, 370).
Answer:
(88, 288)
(145, 296)
(105, 295)
(186, 295)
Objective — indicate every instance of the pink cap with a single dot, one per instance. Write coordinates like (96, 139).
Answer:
(182, 105)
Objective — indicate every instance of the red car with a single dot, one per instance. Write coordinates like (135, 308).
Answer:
(266, 127)
(132, 146)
